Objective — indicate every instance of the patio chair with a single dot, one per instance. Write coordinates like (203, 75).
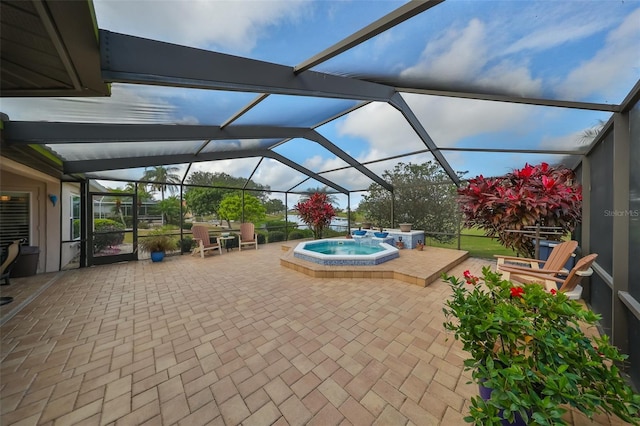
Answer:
(13, 252)
(247, 236)
(568, 285)
(556, 261)
(203, 241)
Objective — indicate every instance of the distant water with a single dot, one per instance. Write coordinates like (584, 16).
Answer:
(337, 224)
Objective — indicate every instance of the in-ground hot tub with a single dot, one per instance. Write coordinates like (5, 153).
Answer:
(338, 252)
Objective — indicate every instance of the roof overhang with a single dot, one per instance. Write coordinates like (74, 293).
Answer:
(50, 48)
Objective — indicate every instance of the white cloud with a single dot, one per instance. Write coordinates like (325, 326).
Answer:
(462, 56)
(449, 120)
(610, 69)
(556, 35)
(457, 55)
(234, 25)
(517, 79)
(384, 128)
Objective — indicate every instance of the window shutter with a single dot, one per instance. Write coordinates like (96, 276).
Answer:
(14, 217)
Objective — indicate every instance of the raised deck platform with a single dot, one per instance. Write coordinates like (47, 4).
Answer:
(414, 267)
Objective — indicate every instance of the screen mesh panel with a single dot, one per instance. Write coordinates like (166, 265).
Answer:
(634, 204)
(602, 202)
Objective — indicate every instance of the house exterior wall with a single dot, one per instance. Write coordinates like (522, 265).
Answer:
(44, 217)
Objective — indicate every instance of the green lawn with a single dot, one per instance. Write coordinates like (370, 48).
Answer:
(474, 241)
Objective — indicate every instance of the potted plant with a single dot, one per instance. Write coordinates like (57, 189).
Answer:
(186, 244)
(405, 227)
(157, 244)
(529, 352)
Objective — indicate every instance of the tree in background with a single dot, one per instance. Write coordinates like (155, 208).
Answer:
(162, 178)
(317, 212)
(274, 206)
(204, 201)
(227, 183)
(331, 198)
(231, 208)
(143, 194)
(170, 210)
(424, 196)
(540, 194)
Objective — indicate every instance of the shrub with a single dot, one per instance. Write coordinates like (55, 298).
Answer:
(275, 236)
(106, 234)
(186, 244)
(157, 240)
(298, 234)
(533, 195)
(317, 212)
(262, 238)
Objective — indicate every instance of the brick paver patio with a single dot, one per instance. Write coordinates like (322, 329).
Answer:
(232, 339)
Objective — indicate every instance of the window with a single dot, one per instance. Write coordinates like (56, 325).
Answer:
(14, 217)
(74, 226)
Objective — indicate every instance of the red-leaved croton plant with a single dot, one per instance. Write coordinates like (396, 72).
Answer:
(525, 197)
(316, 212)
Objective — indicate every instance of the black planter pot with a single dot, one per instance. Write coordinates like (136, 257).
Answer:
(485, 393)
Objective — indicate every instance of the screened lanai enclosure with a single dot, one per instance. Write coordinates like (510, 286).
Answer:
(284, 96)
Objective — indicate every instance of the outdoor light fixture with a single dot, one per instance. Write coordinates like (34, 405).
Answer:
(54, 199)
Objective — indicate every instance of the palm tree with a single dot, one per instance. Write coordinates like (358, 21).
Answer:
(588, 135)
(162, 178)
(331, 198)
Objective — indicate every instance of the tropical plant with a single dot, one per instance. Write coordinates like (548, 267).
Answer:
(423, 196)
(534, 195)
(170, 210)
(529, 347)
(158, 241)
(143, 194)
(317, 212)
(162, 178)
(331, 198)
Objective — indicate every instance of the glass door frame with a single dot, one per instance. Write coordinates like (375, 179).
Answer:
(112, 258)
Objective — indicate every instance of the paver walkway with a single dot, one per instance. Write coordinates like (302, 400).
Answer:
(232, 339)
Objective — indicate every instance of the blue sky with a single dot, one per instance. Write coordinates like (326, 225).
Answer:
(574, 50)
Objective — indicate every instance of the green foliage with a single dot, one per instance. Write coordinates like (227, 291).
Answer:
(279, 225)
(532, 195)
(106, 235)
(298, 234)
(170, 208)
(275, 236)
(274, 206)
(424, 196)
(157, 240)
(529, 347)
(331, 197)
(262, 238)
(186, 244)
(226, 184)
(162, 178)
(204, 201)
(231, 208)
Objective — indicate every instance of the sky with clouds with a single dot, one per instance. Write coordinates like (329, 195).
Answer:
(585, 51)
